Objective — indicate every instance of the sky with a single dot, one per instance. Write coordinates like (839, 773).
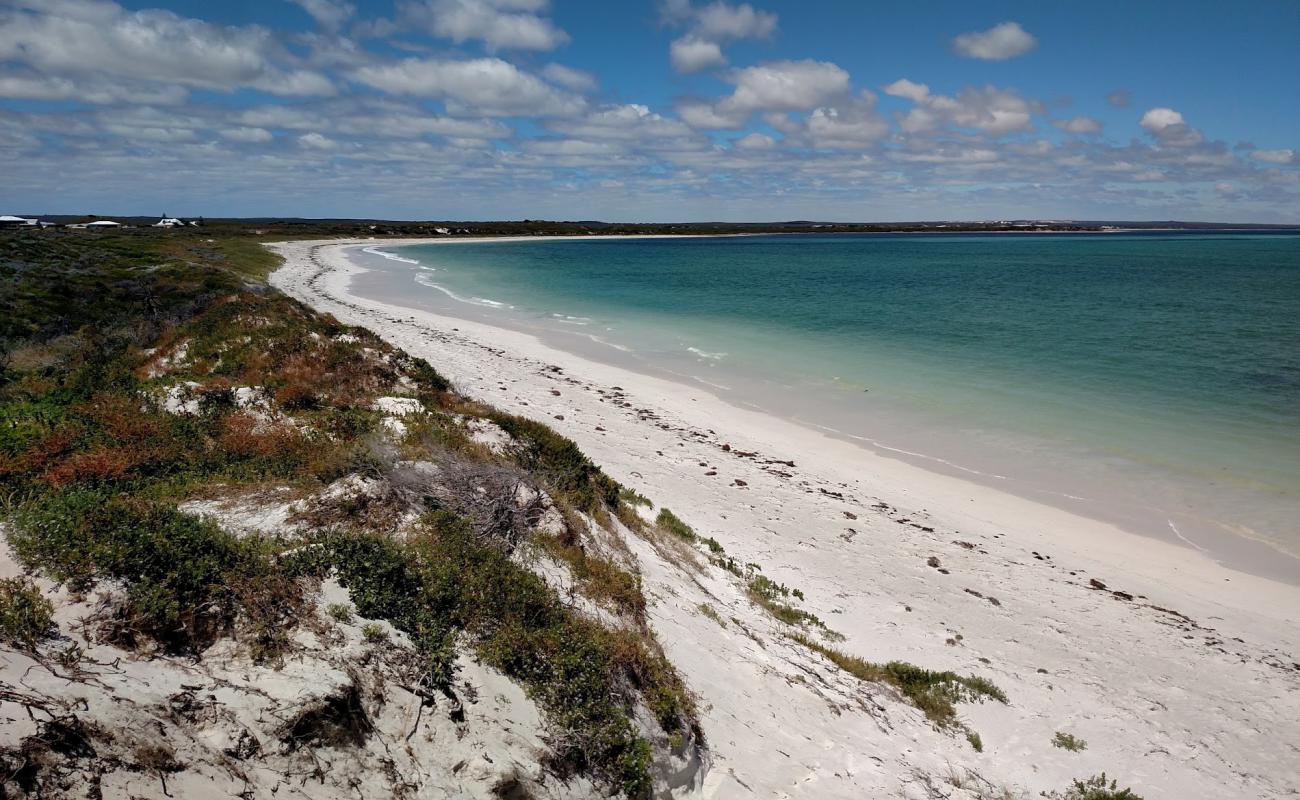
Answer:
(652, 110)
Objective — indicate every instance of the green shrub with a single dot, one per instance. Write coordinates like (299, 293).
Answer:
(443, 585)
(26, 616)
(934, 693)
(186, 580)
(557, 459)
(632, 498)
(1093, 788)
(975, 741)
(1068, 741)
(341, 612)
(671, 523)
(598, 578)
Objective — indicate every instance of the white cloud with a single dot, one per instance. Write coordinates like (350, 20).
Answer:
(630, 122)
(247, 135)
(707, 116)
(990, 110)
(315, 141)
(295, 83)
(1157, 119)
(1120, 98)
(777, 86)
(849, 126)
(370, 118)
(691, 54)
(571, 147)
(1079, 124)
(755, 141)
(786, 86)
(721, 20)
(998, 43)
(570, 78)
(98, 39)
(89, 89)
(916, 92)
(499, 24)
(329, 14)
(1169, 128)
(710, 25)
(487, 86)
(1286, 156)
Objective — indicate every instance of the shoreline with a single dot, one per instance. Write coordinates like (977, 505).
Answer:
(335, 287)
(854, 530)
(899, 434)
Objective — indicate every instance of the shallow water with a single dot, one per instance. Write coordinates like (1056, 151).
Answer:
(1152, 379)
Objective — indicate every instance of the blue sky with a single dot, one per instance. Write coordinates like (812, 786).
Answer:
(652, 110)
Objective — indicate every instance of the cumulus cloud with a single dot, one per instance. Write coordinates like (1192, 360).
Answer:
(329, 14)
(98, 39)
(88, 89)
(316, 141)
(247, 135)
(369, 118)
(720, 20)
(570, 78)
(851, 125)
(916, 92)
(1169, 129)
(690, 54)
(487, 86)
(708, 27)
(1079, 124)
(773, 87)
(1286, 156)
(755, 141)
(998, 43)
(629, 121)
(499, 24)
(786, 86)
(993, 111)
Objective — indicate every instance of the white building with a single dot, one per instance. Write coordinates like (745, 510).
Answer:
(169, 222)
(7, 221)
(103, 224)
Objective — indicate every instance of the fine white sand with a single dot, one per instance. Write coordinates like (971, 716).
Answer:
(1181, 675)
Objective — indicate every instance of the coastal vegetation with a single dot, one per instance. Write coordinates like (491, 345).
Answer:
(139, 373)
(934, 693)
(1093, 788)
(26, 616)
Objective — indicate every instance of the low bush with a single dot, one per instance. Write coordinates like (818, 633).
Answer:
(632, 498)
(444, 584)
(26, 616)
(1093, 788)
(1068, 741)
(934, 693)
(185, 579)
(566, 469)
(671, 523)
(598, 578)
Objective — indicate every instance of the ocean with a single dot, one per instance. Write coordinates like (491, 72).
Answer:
(1151, 379)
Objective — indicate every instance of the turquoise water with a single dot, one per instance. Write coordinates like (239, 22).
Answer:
(1152, 377)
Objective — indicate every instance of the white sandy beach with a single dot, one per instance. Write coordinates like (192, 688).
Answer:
(1181, 675)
